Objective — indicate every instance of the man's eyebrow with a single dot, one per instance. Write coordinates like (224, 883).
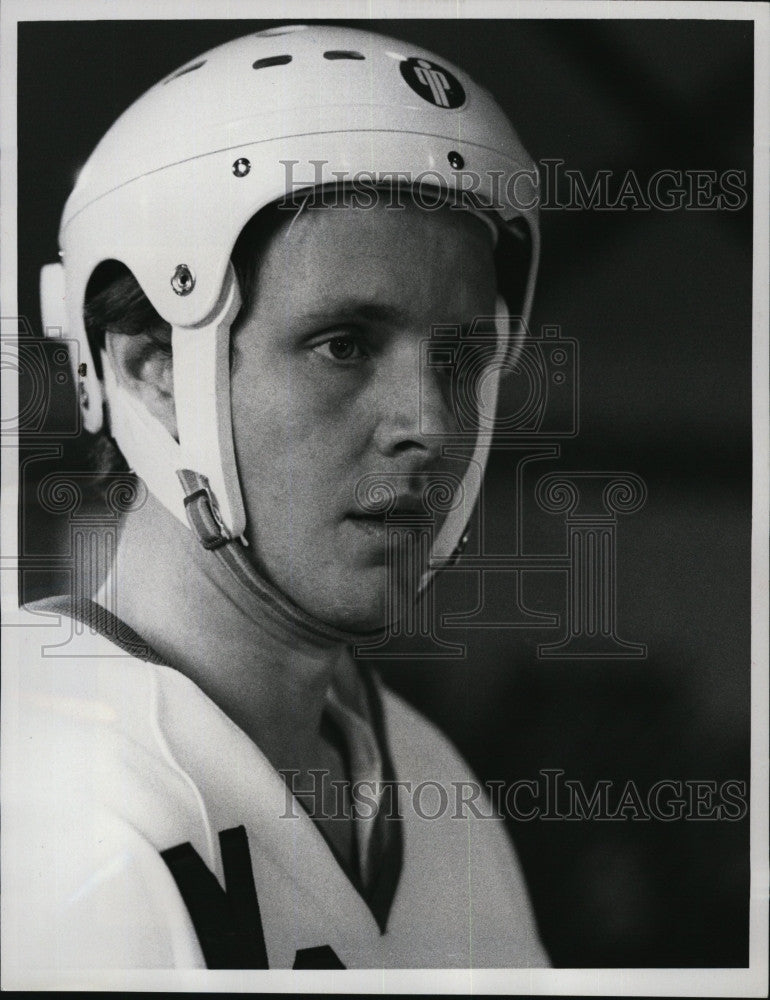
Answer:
(365, 309)
(381, 312)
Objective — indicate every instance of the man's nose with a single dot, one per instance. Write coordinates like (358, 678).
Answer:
(415, 407)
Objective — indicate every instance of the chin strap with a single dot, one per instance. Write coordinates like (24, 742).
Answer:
(206, 524)
(204, 410)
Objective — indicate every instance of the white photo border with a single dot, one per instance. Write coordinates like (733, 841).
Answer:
(748, 982)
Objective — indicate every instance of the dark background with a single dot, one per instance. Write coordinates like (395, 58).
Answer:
(660, 303)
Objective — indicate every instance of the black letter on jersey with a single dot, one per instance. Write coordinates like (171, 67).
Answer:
(228, 924)
(322, 957)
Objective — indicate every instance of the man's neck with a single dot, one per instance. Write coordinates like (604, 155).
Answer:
(186, 605)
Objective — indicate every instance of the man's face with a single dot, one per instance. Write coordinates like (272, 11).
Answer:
(329, 389)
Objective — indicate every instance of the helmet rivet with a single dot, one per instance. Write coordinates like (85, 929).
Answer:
(241, 166)
(455, 160)
(182, 280)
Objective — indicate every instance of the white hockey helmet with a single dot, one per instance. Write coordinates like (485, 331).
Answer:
(171, 185)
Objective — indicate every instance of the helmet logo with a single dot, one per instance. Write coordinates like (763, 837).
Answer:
(433, 83)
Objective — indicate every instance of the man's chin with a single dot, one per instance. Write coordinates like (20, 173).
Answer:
(358, 618)
(365, 611)
(360, 601)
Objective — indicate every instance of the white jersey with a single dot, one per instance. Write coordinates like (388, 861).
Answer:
(144, 829)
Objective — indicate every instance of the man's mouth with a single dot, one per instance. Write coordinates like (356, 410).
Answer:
(407, 511)
(372, 524)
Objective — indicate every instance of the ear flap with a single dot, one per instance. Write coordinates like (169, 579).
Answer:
(456, 522)
(204, 408)
(205, 447)
(53, 308)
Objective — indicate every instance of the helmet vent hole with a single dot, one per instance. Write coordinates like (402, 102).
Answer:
(342, 54)
(271, 61)
(187, 69)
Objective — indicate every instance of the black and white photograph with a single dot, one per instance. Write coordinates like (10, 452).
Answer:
(385, 497)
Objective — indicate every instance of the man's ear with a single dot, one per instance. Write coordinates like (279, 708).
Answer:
(145, 369)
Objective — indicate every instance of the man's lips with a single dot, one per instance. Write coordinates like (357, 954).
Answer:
(409, 507)
(369, 524)
(406, 511)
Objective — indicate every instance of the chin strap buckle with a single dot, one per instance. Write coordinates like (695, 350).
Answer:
(202, 511)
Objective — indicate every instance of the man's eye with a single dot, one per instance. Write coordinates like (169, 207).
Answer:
(344, 348)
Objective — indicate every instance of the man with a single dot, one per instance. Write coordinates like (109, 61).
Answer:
(252, 295)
